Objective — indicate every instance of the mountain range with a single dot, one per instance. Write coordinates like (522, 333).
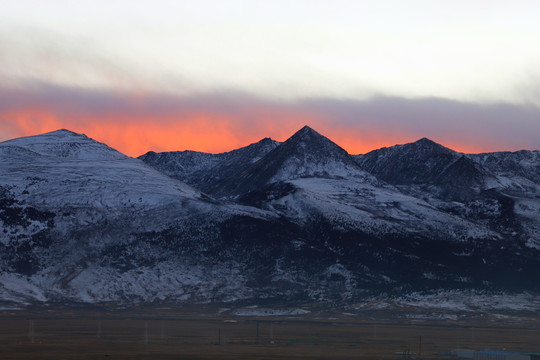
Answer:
(296, 222)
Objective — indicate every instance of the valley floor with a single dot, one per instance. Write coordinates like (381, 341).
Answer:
(207, 333)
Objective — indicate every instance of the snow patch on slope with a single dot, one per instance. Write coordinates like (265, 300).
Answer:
(377, 210)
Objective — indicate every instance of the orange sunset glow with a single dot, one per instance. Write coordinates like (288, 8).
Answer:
(206, 132)
(218, 122)
(183, 75)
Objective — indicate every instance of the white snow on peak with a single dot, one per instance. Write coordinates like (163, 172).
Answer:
(62, 169)
(67, 145)
(294, 168)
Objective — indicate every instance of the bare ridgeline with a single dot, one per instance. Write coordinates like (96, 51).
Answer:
(444, 244)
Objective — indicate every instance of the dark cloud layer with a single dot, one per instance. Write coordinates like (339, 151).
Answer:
(238, 119)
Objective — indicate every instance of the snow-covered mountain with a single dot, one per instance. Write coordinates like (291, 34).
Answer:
(309, 176)
(500, 189)
(71, 207)
(67, 145)
(293, 222)
(63, 169)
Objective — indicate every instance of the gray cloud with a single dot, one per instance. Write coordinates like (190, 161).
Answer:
(497, 126)
(481, 127)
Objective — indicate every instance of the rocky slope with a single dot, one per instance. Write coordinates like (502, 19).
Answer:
(203, 170)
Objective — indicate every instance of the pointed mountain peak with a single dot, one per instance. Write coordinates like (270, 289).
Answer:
(428, 145)
(308, 140)
(425, 140)
(305, 154)
(306, 137)
(306, 131)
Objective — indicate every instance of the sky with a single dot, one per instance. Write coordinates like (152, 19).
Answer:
(216, 75)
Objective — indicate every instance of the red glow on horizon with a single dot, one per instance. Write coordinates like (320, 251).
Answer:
(207, 132)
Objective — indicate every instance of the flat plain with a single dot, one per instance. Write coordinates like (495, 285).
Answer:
(205, 333)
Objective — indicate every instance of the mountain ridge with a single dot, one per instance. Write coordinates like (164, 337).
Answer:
(200, 169)
(305, 154)
(283, 223)
(66, 144)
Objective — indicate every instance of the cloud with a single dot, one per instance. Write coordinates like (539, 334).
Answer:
(465, 126)
(138, 122)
